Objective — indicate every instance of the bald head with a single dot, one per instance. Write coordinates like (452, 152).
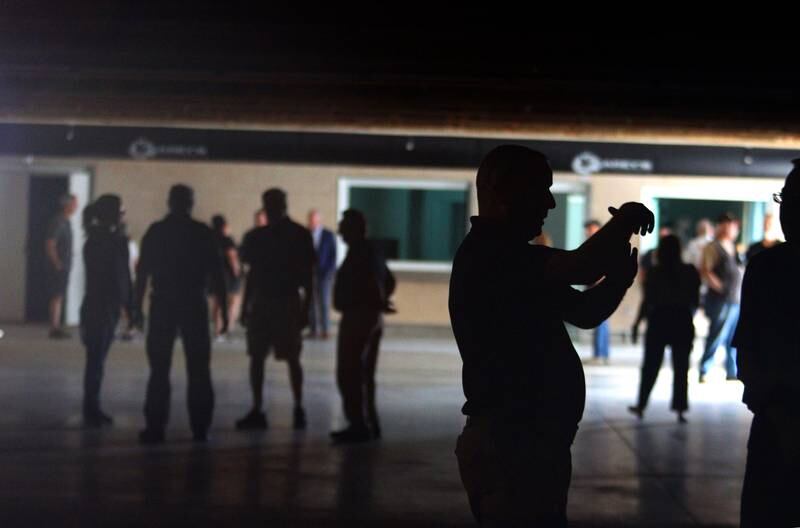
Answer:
(790, 204)
(514, 185)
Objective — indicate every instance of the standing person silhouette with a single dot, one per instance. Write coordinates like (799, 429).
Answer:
(276, 304)
(671, 296)
(58, 253)
(768, 345)
(523, 380)
(325, 248)
(722, 272)
(364, 285)
(180, 258)
(108, 292)
(233, 272)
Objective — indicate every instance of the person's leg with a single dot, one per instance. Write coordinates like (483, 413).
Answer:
(257, 382)
(370, 364)
(651, 364)
(601, 340)
(197, 346)
(161, 333)
(728, 331)
(54, 307)
(296, 380)
(349, 368)
(715, 311)
(680, 376)
(313, 310)
(216, 316)
(234, 306)
(324, 305)
(97, 338)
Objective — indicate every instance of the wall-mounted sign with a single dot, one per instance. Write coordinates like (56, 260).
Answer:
(590, 163)
(142, 148)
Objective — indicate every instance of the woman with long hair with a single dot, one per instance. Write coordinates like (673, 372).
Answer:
(233, 272)
(108, 291)
(671, 296)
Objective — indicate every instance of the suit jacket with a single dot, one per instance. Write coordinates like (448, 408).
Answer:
(326, 254)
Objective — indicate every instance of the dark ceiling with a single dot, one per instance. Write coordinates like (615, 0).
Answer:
(128, 63)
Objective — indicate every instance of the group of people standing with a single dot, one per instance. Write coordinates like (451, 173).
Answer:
(675, 283)
(285, 271)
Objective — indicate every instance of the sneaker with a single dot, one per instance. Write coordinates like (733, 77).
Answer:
(59, 333)
(637, 411)
(97, 419)
(351, 435)
(299, 419)
(254, 421)
(702, 378)
(151, 437)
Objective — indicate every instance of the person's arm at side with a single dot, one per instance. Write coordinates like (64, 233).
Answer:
(233, 260)
(590, 308)
(306, 272)
(143, 271)
(123, 279)
(746, 337)
(217, 275)
(51, 247)
(590, 262)
(706, 271)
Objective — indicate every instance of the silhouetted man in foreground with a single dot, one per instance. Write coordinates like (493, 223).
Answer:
(522, 378)
(363, 287)
(276, 304)
(180, 256)
(768, 344)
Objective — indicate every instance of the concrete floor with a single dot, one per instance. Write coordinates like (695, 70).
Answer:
(626, 473)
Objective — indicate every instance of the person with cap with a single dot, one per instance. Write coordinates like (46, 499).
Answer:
(722, 273)
(108, 293)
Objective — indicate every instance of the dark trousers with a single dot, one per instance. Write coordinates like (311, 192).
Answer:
(654, 344)
(318, 317)
(769, 493)
(191, 321)
(515, 474)
(97, 334)
(356, 359)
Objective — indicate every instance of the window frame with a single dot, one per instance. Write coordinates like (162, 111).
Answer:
(419, 266)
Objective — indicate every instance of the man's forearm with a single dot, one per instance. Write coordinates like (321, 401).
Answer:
(597, 304)
(590, 262)
(52, 254)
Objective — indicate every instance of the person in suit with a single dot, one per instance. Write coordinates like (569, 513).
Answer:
(325, 249)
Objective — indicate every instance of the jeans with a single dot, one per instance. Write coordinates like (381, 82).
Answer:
(602, 336)
(723, 317)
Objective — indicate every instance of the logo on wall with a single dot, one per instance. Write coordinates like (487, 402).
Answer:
(143, 149)
(587, 163)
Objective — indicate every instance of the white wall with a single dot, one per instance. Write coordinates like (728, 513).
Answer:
(13, 233)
